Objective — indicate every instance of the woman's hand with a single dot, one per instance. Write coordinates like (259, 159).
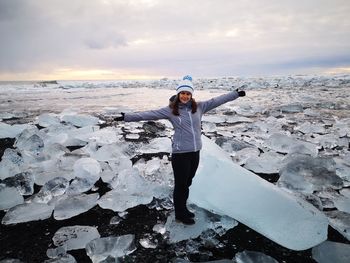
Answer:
(241, 93)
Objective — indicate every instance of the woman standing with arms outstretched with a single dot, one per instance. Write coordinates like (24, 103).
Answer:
(185, 114)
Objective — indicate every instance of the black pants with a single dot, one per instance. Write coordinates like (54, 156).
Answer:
(184, 166)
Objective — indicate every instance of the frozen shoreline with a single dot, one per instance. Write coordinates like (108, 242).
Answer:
(258, 131)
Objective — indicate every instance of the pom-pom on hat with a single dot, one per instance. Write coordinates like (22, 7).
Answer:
(185, 85)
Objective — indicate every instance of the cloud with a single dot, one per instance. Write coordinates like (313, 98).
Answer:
(169, 37)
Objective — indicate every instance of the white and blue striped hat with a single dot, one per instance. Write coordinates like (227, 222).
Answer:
(185, 85)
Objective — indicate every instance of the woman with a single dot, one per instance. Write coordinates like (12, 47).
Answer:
(185, 114)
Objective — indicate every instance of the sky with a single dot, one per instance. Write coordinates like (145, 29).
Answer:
(152, 39)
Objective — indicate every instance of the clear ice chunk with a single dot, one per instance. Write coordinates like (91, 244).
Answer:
(67, 258)
(27, 212)
(340, 221)
(56, 252)
(55, 187)
(253, 257)
(266, 163)
(48, 119)
(331, 252)
(9, 197)
(101, 248)
(24, 182)
(307, 174)
(87, 168)
(75, 237)
(285, 144)
(11, 163)
(79, 120)
(69, 206)
(11, 131)
(157, 145)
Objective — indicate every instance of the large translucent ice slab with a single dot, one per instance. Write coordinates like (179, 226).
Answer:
(228, 189)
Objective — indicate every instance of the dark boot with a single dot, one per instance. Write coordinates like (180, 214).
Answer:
(189, 213)
(185, 220)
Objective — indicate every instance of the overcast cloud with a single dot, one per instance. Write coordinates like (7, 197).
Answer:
(152, 38)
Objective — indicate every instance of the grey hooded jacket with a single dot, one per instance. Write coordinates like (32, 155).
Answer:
(187, 126)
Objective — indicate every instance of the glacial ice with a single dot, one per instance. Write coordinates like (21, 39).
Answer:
(340, 221)
(24, 182)
(11, 163)
(27, 212)
(129, 190)
(214, 118)
(55, 187)
(11, 131)
(111, 152)
(331, 252)
(67, 258)
(9, 197)
(87, 172)
(33, 144)
(285, 144)
(157, 172)
(79, 120)
(54, 159)
(267, 163)
(56, 252)
(253, 257)
(157, 145)
(87, 168)
(343, 170)
(148, 241)
(101, 248)
(204, 221)
(75, 237)
(290, 108)
(48, 119)
(310, 128)
(240, 157)
(69, 206)
(308, 174)
(132, 136)
(107, 135)
(255, 202)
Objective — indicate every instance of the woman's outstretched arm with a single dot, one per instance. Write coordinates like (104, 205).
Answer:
(219, 100)
(162, 113)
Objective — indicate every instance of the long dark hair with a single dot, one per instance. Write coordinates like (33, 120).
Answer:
(174, 105)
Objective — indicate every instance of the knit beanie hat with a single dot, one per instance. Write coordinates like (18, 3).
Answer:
(185, 85)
